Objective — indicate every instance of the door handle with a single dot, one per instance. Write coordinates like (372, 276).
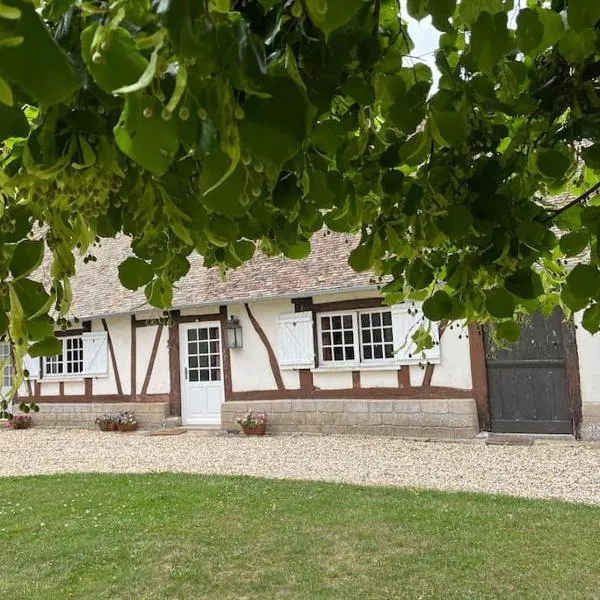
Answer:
(185, 373)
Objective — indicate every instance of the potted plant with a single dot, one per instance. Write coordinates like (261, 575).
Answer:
(127, 421)
(20, 422)
(253, 423)
(107, 422)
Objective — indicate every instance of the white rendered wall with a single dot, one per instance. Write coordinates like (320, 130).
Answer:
(119, 329)
(454, 369)
(588, 349)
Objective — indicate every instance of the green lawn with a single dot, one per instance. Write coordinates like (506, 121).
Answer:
(180, 536)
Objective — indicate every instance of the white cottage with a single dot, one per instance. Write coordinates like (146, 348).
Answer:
(310, 343)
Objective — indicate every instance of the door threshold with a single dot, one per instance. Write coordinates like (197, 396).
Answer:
(527, 439)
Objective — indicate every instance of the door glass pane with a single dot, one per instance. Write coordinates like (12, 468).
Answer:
(204, 355)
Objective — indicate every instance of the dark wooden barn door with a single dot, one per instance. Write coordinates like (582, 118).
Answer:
(528, 384)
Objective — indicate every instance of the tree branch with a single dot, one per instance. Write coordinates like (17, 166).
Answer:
(376, 13)
(569, 205)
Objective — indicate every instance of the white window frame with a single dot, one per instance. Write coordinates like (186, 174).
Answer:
(377, 362)
(334, 364)
(8, 365)
(356, 328)
(64, 375)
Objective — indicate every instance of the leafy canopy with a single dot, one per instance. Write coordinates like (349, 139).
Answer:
(209, 125)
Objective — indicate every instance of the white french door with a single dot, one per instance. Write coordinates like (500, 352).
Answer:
(202, 389)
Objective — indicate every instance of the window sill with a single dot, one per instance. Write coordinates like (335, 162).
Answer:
(59, 378)
(384, 367)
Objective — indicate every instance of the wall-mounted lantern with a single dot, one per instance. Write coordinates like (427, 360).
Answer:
(234, 333)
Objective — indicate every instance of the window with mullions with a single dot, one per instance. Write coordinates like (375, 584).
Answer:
(6, 362)
(355, 338)
(376, 335)
(338, 338)
(69, 361)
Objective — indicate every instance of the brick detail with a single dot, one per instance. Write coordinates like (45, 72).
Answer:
(433, 419)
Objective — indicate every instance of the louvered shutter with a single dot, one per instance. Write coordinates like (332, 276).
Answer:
(95, 353)
(296, 342)
(406, 319)
(32, 365)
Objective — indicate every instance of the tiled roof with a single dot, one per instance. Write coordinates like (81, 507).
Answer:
(97, 291)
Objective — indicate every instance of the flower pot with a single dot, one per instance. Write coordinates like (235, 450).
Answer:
(255, 429)
(103, 426)
(112, 426)
(127, 426)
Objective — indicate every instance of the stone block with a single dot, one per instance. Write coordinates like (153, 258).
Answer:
(381, 406)
(434, 406)
(303, 406)
(438, 433)
(591, 410)
(462, 406)
(408, 432)
(277, 406)
(356, 406)
(363, 419)
(407, 406)
(465, 433)
(329, 405)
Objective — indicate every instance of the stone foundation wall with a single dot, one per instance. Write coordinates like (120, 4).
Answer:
(149, 415)
(445, 419)
(590, 426)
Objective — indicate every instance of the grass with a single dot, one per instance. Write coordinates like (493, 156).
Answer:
(183, 536)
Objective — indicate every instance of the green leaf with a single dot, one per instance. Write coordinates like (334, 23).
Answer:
(469, 10)
(591, 318)
(146, 77)
(591, 156)
(328, 136)
(49, 346)
(244, 250)
(582, 14)
(361, 258)
(530, 30)
(40, 327)
(449, 128)
(274, 128)
(438, 307)
(13, 122)
(418, 274)
(576, 47)
(6, 95)
(26, 258)
(159, 294)
(499, 303)
(554, 27)
(490, 41)
(575, 242)
(359, 90)
(417, 9)
(554, 163)
(415, 150)
(584, 281)
(144, 136)
(37, 65)
(525, 284)
(509, 331)
(457, 222)
(391, 181)
(32, 296)
(134, 273)
(115, 63)
(441, 11)
(299, 250)
(329, 15)
(226, 198)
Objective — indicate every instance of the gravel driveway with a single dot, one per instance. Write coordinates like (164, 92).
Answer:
(566, 471)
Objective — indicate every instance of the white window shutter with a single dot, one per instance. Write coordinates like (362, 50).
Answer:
(95, 353)
(296, 342)
(32, 365)
(405, 324)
